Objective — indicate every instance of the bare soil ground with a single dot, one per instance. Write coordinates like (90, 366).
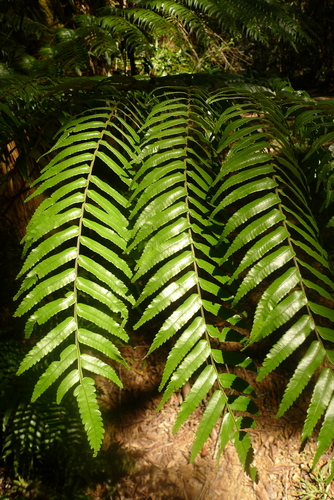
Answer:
(160, 459)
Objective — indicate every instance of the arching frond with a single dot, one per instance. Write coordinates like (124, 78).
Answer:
(171, 217)
(277, 237)
(85, 284)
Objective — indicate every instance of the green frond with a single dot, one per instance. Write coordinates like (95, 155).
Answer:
(226, 428)
(288, 343)
(154, 188)
(101, 320)
(101, 344)
(326, 435)
(326, 333)
(321, 396)
(102, 295)
(247, 16)
(230, 381)
(322, 277)
(322, 260)
(177, 271)
(159, 203)
(95, 365)
(243, 445)
(105, 232)
(48, 344)
(166, 272)
(238, 162)
(254, 229)
(283, 312)
(310, 238)
(177, 320)
(324, 311)
(194, 359)
(275, 293)
(107, 254)
(143, 19)
(280, 259)
(243, 177)
(57, 167)
(71, 379)
(264, 268)
(61, 177)
(170, 294)
(45, 267)
(167, 249)
(116, 285)
(54, 241)
(163, 235)
(182, 346)
(45, 288)
(125, 29)
(86, 282)
(55, 217)
(260, 248)
(67, 357)
(211, 414)
(197, 393)
(46, 312)
(55, 196)
(233, 358)
(302, 375)
(154, 175)
(90, 413)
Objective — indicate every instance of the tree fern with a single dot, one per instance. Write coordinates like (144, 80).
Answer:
(178, 204)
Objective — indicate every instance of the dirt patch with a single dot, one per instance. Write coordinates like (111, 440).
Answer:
(161, 468)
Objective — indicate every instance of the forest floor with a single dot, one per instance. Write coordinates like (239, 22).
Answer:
(156, 461)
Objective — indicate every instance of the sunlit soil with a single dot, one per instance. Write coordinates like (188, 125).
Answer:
(160, 468)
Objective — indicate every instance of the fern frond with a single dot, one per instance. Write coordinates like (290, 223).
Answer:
(322, 394)
(90, 413)
(54, 371)
(210, 417)
(189, 20)
(288, 343)
(187, 340)
(123, 28)
(48, 344)
(171, 223)
(87, 281)
(280, 259)
(326, 436)
(140, 19)
(197, 393)
(243, 445)
(70, 380)
(304, 371)
(101, 344)
(99, 367)
(46, 312)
